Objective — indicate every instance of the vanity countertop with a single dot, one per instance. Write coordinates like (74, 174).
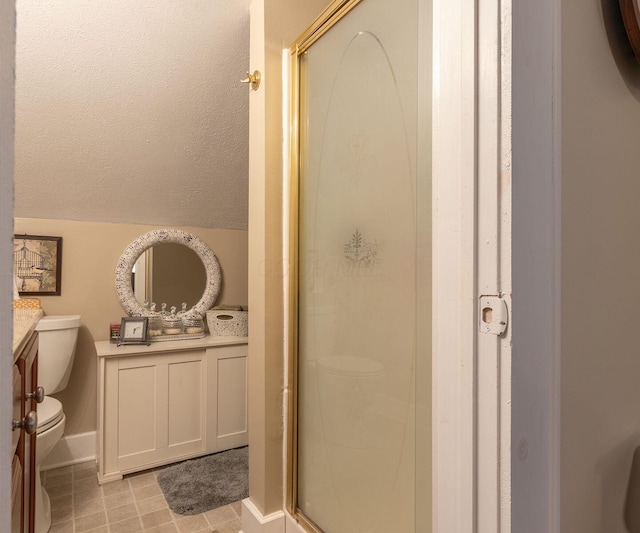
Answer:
(24, 322)
(109, 349)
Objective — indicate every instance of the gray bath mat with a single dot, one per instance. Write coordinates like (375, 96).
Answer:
(202, 484)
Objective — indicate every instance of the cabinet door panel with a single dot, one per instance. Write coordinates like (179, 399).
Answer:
(185, 402)
(232, 396)
(23, 464)
(18, 404)
(228, 397)
(16, 498)
(137, 410)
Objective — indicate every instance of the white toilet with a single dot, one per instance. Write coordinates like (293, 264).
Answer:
(56, 350)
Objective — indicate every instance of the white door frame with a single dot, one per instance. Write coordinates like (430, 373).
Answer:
(471, 243)
(496, 191)
(454, 171)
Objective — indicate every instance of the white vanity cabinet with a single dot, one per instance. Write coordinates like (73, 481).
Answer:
(169, 401)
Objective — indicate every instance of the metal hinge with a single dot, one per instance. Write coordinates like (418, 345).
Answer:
(494, 317)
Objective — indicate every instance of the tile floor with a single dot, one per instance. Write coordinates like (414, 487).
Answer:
(79, 504)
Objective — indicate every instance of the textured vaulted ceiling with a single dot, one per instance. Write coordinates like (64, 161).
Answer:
(132, 111)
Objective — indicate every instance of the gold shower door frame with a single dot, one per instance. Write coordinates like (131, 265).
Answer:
(327, 19)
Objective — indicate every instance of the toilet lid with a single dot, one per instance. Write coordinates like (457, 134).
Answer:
(49, 413)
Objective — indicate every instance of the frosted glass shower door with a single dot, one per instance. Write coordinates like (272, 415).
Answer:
(363, 229)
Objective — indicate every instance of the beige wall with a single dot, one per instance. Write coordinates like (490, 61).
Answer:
(600, 373)
(274, 25)
(90, 251)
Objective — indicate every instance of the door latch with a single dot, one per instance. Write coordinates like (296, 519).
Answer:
(494, 317)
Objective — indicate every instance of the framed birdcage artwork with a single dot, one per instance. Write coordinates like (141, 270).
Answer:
(37, 264)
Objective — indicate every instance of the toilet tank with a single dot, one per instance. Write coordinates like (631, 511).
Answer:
(57, 338)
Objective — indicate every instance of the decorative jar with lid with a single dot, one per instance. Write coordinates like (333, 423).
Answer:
(171, 324)
(155, 321)
(193, 322)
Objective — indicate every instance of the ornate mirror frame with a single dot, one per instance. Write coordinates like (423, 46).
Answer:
(138, 247)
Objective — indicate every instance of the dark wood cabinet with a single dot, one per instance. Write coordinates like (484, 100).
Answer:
(23, 464)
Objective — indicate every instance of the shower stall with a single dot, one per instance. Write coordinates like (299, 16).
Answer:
(360, 439)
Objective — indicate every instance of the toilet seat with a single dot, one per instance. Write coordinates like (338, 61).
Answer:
(49, 414)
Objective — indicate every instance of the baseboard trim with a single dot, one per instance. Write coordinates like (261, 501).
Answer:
(254, 522)
(72, 449)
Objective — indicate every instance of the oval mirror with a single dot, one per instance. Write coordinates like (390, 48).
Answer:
(169, 273)
(168, 244)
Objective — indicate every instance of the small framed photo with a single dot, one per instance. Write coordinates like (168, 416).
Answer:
(133, 330)
(37, 264)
